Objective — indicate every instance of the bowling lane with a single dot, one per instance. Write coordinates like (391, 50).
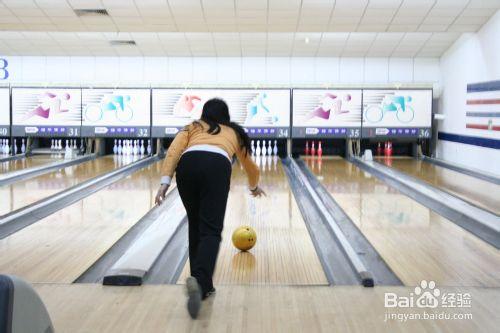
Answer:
(416, 243)
(60, 247)
(28, 162)
(26, 192)
(284, 253)
(481, 193)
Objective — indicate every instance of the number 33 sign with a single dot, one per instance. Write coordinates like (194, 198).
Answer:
(4, 73)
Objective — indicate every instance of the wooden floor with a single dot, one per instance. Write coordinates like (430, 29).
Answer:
(416, 243)
(26, 192)
(479, 192)
(28, 162)
(94, 308)
(284, 253)
(60, 247)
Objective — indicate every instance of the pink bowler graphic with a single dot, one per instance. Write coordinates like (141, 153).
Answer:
(52, 103)
(329, 104)
(187, 106)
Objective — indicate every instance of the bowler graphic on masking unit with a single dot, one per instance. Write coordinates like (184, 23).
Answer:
(400, 105)
(258, 112)
(331, 105)
(51, 104)
(118, 104)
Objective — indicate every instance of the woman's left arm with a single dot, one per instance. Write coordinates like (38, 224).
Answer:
(174, 153)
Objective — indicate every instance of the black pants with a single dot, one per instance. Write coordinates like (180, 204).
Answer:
(203, 181)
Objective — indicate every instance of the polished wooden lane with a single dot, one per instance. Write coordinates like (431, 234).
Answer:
(25, 192)
(416, 243)
(479, 192)
(85, 308)
(28, 162)
(284, 252)
(60, 247)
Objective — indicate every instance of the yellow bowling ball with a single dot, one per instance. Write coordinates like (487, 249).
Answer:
(244, 238)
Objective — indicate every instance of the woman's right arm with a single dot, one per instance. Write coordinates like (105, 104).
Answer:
(174, 153)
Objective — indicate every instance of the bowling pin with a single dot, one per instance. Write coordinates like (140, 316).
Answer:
(142, 147)
(119, 147)
(149, 149)
(2, 142)
(275, 148)
(15, 147)
(313, 150)
(253, 148)
(23, 147)
(307, 148)
(264, 150)
(320, 150)
(257, 150)
(115, 148)
(74, 144)
(269, 148)
(258, 159)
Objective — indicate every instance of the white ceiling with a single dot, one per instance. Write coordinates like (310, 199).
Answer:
(327, 44)
(406, 28)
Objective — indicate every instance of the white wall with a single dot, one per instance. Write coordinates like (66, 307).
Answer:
(222, 71)
(473, 58)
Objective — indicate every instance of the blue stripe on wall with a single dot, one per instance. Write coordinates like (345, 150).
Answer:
(483, 86)
(470, 140)
(483, 114)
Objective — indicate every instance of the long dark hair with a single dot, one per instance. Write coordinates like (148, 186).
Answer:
(215, 113)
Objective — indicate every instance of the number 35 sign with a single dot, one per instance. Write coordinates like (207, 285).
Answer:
(4, 73)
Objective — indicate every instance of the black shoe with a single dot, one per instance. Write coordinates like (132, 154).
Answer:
(209, 293)
(194, 296)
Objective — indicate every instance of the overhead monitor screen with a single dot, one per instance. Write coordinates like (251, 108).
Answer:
(326, 113)
(405, 113)
(116, 112)
(49, 112)
(263, 113)
(4, 112)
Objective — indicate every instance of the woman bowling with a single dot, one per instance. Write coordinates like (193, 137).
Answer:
(201, 156)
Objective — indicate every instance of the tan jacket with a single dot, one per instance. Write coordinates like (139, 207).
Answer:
(226, 139)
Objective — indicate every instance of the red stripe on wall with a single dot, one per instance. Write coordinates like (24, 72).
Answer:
(482, 127)
(482, 101)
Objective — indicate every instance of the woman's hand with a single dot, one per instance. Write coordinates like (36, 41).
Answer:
(160, 195)
(257, 192)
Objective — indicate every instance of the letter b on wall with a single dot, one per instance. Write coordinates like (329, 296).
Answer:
(4, 73)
